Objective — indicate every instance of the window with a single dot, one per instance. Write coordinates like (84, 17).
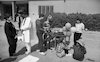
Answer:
(45, 9)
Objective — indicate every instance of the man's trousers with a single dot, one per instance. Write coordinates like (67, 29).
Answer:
(12, 45)
(41, 45)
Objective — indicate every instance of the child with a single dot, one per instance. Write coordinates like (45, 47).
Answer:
(69, 43)
(79, 30)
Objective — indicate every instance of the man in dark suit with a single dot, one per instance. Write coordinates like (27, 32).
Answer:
(10, 32)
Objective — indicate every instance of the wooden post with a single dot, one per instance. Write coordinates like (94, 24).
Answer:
(13, 10)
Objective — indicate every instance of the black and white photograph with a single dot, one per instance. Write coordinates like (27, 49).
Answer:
(49, 30)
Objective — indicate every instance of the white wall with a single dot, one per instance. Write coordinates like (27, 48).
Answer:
(70, 6)
(33, 9)
(58, 6)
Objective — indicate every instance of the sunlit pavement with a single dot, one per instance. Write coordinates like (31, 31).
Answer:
(90, 38)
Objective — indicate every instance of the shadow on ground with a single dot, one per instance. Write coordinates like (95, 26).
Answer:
(34, 48)
(23, 50)
(9, 59)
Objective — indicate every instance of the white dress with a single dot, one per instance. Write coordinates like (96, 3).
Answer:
(25, 24)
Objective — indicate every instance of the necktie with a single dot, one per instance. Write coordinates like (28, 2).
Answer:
(19, 22)
(19, 19)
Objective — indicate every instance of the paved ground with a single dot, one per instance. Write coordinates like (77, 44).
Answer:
(91, 39)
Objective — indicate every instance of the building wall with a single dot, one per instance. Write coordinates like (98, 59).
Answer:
(69, 6)
(33, 6)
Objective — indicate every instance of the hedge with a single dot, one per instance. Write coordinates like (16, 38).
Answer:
(91, 21)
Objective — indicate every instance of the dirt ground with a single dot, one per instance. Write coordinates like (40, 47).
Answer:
(90, 38)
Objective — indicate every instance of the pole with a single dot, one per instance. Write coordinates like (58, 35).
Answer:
(13, 10)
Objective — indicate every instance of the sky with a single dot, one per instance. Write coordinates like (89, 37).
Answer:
(83, 6)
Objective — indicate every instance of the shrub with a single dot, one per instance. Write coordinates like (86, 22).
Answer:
(91, 21)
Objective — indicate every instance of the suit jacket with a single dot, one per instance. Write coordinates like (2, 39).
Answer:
(10, 30)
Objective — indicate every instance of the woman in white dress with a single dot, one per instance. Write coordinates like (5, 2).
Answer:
(25, 27)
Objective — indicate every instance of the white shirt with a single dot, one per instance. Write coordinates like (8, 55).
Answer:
(26, 23)
(79, 27)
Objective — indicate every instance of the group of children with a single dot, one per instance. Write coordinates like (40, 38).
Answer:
(72, 36)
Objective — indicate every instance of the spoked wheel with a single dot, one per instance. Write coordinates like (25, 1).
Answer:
(45, 36)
